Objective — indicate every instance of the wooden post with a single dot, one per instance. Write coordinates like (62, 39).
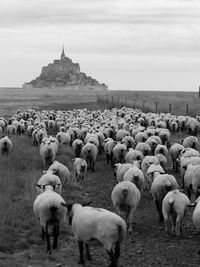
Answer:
(134, 103)
(125, 101)
(187, 109)
(143, 104)
(170, 108)
(199, 91)
(156, 107)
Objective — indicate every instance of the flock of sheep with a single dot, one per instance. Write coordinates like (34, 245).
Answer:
(137, 147)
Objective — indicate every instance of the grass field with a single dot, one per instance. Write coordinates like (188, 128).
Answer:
(20, 244)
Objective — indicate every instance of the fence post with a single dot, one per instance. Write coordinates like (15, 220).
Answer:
(156, 107)
(143, 104)
(170, 108)
(187, 109)
(199, 91)
(134, 103)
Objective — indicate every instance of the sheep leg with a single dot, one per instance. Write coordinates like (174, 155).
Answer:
(159, 209)
(93, 166)
(129, 219)
(117, 250)
(47, 238)
(88, 255)
(188, 193)
(43, 234)
(81, 248)
(167, 225)
(178, 226)
(112, 258)
(55, 234)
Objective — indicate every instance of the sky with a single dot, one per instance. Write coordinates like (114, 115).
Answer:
(126, 44)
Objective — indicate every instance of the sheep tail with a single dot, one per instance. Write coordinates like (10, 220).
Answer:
(121, 235)
(171, 204)
(124, 193)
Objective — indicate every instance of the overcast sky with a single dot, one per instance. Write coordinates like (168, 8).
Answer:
(127, 44)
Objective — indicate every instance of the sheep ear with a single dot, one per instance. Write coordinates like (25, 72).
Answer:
(44, 171)
(73, 159)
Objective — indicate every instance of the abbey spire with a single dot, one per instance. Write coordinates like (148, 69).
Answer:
(63, 53)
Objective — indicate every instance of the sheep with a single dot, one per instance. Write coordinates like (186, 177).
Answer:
(108, 148)
(128, 141)
(192, 126)
(164, 135)
(196, 216)
(48, 151)
(63, 138)
(184, 162)
(161, 185)
(77, 146)
(61, 171)
(192, 179)
(5, 145)
(152, 142)
(99, 224)
(144, 148)
(120, 169)
(125, 198)
(133, 155)
(147, 161)
(174, 152)
(49, 208)
(191, 141)
(89, 153)
(80, 169)
(141, 137)
(136, 176)
(174, 205)
(121, 134)
(161, 149)
(162, 160)
(152, 172)
(119, 153)
(49, 179)
(40, 135)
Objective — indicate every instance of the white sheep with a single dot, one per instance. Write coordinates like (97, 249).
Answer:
(80, 169)
(161, 149)
(5, 145)
(133, 155)
(63, 138)
(192, 180)
(152, 172)
(120, 169)
(89, 153)
(161, 185)
(49, 179)
(152, 142)
(77, 147)
(100, 224)
(174, 152)
(119, 153)
(164, 135)
(141, 137)
(47, 151)
(108, 148)
(136, 176)
(146, 163)
(128, 141)
(184, 162)
(191, 141)
(174, 205)
(61, 171)
(144, 148)
(50, 209)
(125, 198)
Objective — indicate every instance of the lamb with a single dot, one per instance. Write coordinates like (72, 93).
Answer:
(48, 151)
(144, 148)
(5, 145)
(77, 145)
(133, 155)
(119, 153)
(49, 208)
(192, 180)
(126, 197)
(49, 179)
(99, 224)
(136, 176)
(61, 171)
(174, 152)
(161, 185)
(191, 141)
(80, 169)
(174, 205)
(89, 153)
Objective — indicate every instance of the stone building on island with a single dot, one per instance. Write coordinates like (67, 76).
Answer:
(62, 73)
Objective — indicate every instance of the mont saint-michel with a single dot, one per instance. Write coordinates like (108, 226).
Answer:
(64, 72)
